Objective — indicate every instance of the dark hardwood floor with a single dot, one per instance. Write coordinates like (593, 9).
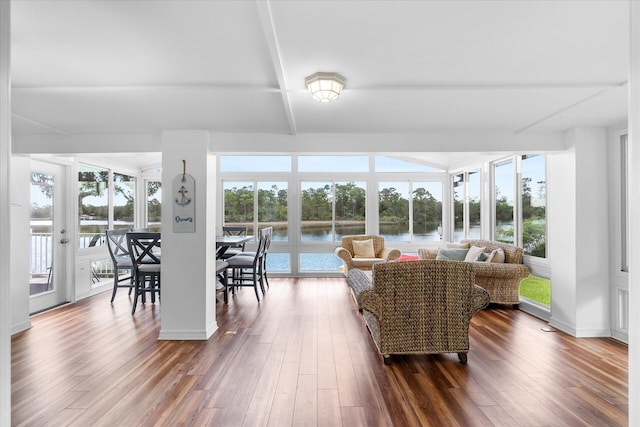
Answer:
(303, 357)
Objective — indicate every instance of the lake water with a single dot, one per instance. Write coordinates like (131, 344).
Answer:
(281, 261)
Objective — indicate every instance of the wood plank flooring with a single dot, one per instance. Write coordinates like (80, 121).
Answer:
(303, 357)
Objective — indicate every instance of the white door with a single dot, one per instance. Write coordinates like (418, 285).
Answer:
(49, 240)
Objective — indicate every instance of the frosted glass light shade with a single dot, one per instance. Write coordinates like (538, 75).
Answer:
(325, 87)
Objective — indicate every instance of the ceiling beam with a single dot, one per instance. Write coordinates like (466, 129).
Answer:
(271, 39)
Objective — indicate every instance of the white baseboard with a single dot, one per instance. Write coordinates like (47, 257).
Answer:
(23, 326)
(187, 334)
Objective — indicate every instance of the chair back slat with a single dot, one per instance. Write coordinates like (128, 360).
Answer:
(116, 242)
(141, 247)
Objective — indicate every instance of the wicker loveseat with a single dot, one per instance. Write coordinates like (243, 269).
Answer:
(418, 307)
(380, 253)
(501, 280)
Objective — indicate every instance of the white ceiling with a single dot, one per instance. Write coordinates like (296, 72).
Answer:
(95, 67)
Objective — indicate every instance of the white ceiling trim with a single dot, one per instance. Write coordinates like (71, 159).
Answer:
(40, 124)
(264, 10)
(562, 110)
(490, 86)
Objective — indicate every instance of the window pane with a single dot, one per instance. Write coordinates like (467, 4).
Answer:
(255, 163)
(238, 204)
(503, 173)
(124, 191)
(474, 191)
(389, 164)
(427, 210)
(333, 163)
(272, 208)
(536, 289)
(458, 207)
(154, 205)
(41, 226)
(393, 210)
(93, 202)
(319, 262)
(534, 202)
(280, 262)
(316, 212)
(351, 203)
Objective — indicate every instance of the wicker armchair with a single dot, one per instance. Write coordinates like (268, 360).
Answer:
(346, 253)
(419, 307)
(501, 280)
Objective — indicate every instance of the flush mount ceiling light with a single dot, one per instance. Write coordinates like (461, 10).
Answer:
(325, 87)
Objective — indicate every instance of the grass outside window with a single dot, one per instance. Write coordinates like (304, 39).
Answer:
(536, 289)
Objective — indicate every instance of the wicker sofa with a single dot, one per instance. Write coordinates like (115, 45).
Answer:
(348, 256)
(418, 307)
(501, 280)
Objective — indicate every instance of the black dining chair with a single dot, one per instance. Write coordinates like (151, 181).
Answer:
(268, 233)
(143, 250)
(233, 230)
(247, 269)
(117, 244)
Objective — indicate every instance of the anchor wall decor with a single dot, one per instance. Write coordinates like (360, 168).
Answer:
(184, 202)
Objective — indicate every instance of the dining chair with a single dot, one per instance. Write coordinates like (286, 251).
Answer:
(247, 269)
(146, 265)
(268, 233)
(233, 230)
(117, 245)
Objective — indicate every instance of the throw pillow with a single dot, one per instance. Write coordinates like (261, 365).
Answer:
(427, 253)
(363, 248)
(404, 257)
(496, 255)
(452, 254)
(483, 257)
(473, 253)
(457, 245)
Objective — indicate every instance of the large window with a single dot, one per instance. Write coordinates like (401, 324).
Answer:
(504, 178)
(393, 210)
(270, 202)
(238, 204)
(534, 203)
(466, 205)
(97, 211)
(330, 210)
(93, 205)
(123, 200)
(330, 202)
(427, 210)
(474, 191)
(154, 205)
(273, 209)
(458, 189)
(410, 211)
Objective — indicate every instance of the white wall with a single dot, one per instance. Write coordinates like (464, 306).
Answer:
(579, 235)
(5, 213)
(20, 200)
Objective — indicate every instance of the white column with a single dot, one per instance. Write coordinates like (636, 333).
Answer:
(5, 260)
(634, 216)
(579, 235)
(188, 259)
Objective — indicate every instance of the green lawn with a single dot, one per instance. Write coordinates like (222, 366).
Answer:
(536, 289)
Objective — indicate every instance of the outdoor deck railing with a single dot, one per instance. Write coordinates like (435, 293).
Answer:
(42, 253)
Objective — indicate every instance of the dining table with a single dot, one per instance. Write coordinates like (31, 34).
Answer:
(224, 242)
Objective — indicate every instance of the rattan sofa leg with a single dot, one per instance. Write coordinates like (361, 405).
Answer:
(386, 359)
(462, 357)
